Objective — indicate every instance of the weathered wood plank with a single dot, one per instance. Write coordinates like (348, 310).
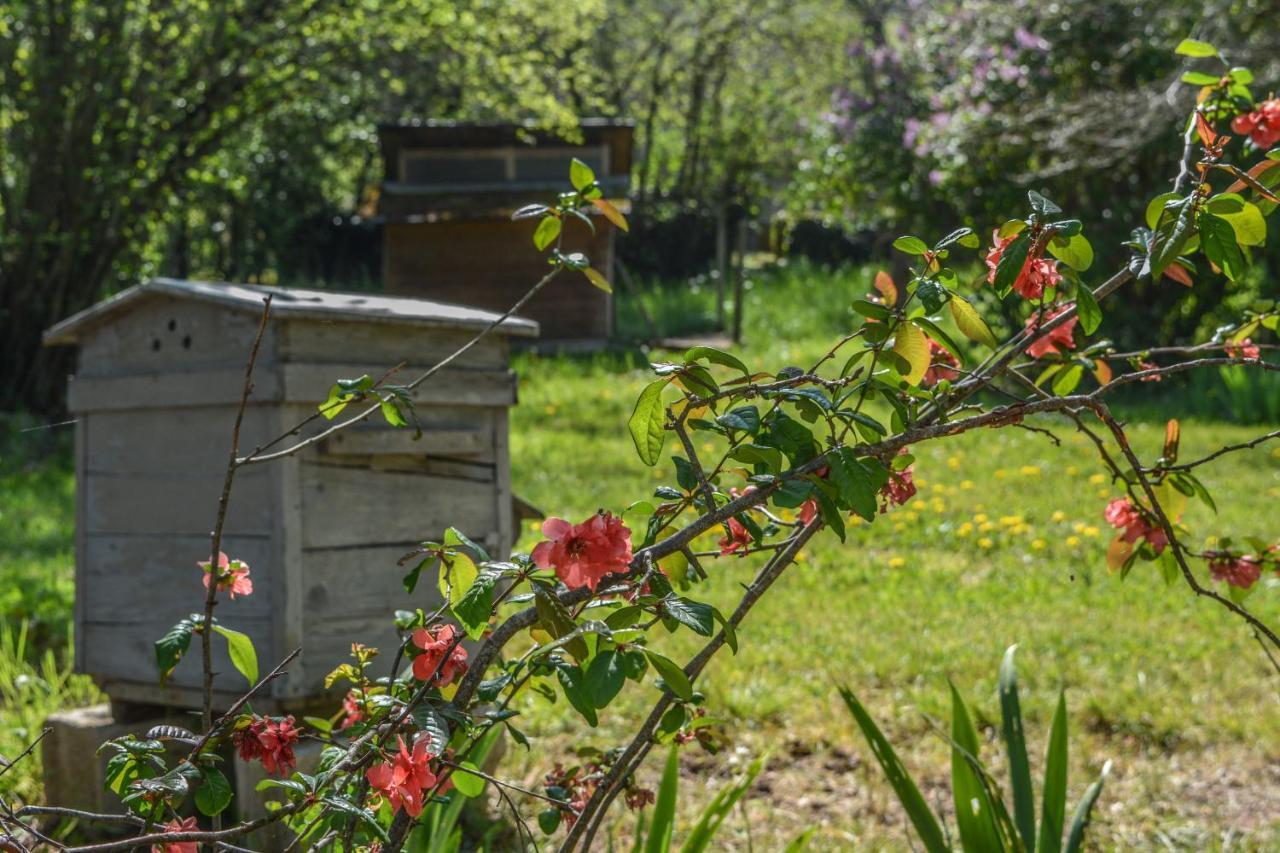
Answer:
(170, 390)
(334, 342)
(126, 577)
(126, 651)
(175, 505)
(166, 333)
(167, 441)
(432, 442)
(347, 506)
(364, 581)
(451, 386)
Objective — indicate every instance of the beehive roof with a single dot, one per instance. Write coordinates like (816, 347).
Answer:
(290, 303)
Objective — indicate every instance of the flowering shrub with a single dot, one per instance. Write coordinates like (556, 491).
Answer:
(786, 453)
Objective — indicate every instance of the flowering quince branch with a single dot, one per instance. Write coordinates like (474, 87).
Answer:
(779, 457)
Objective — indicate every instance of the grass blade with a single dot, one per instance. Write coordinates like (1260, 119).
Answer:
(917, 809)
(975, 815)
(664, 808)
(718, 809)
(1024, 796)
(1053, 812)
(1080, 822)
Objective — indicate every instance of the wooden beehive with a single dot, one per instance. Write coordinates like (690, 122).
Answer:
(449, 191)
(159, 375)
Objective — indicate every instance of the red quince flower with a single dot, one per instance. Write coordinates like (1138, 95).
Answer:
(583, 554)
(942, 364)
(899, 488)
(1242, 572)
(808, 511)
(352, 712)
(233, 576)
(1037, 272)
(738, 539)
(1057, 340)
(1245, 349)
(1134, 524)
(188, 825)
(1262, 125)
(442, 657)
(405, 778)
(269, 741)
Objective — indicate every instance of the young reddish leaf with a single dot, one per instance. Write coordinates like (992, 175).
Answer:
(611, 213)
(1178, 273)
(884, 284)
(1101, 371)
(1205, 131)
(1172, 434)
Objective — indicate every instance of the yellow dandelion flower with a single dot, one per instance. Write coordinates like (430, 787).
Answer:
(1038, 544)
(1029, 471)
(550, 410)
(965, 531)
(897, 562)
(1097, 479)
(1073, 541)
(1072, 470)
(1058, 515)
(1010, 520)
(953, 463)
(1210, 541)
(984, 542)
(1001, 473)
(986, 526)
(1091, 531)
(898, 527)
(911, 515)
(966, 484)
(938, 505)
(1103, 493)
(1079, 527)
(980, 517)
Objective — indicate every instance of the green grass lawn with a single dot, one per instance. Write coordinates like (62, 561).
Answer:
(1004, 544)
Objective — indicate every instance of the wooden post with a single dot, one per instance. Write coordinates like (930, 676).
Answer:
(740, 269)
(722, 262)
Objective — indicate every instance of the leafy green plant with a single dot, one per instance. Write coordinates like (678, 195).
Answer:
(654, 835)
(982, 817)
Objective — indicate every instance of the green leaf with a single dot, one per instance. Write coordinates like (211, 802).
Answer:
(214, 793)
(573, 682)
(744, 418)
(1087, 309)
(1053, 811)
(911, 245)
(647, 421)
(243, 656)
(468, 784)
(605, 677)
(1068, 380)
(856, 489)
(546, 232)
(1080, 821)
(970, 322)
(975, 815)
(1173, 232)
(580, 174)
(664, 806)
(555, 619)
(597, 279)
(1244, 217)
(473, 608)
(549, 820)
(672, 675)
(172, 646)
(1199, 78)
(1191, 47)
(694, 615)
(1218, 241)
(716, 356)
(1024, 798)
(457, 574)
(453, 537)
(910, 344)
(1075, 251)
(365, 816)
(1012, 260)
(926, 825)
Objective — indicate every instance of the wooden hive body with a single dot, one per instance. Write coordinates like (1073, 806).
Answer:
(159, 375)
